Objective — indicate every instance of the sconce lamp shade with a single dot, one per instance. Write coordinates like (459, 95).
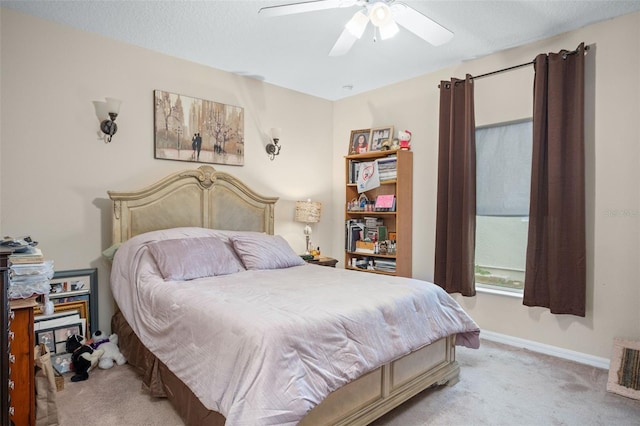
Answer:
(109, 126)
(308, 211)
(273, 149)
(113, 105)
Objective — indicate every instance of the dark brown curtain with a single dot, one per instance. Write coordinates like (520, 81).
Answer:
(555, 275)
(456, 210)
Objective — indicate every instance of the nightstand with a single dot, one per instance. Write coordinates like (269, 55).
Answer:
(323, 261)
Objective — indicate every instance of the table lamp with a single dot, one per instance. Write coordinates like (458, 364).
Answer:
(308, 212)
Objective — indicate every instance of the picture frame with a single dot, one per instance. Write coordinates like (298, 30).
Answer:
(46, 337)
(624, 374)
(61, 362)
(197, 130)
(381, 138)
(356, 145)
(79, 305)
(61, 334)
(55, 339)
(75, 289)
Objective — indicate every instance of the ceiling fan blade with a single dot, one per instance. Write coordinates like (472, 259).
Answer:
(420, 25)
(344, 43)
(307, 6)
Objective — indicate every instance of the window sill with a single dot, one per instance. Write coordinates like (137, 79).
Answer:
(480, 288)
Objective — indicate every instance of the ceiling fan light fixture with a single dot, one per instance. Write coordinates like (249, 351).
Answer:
(388, 30)
(380, 14)
(357, 24)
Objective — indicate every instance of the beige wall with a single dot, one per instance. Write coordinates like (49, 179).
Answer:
(613, 177)
(55, 170)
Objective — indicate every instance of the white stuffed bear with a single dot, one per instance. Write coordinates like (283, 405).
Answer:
(110, 347)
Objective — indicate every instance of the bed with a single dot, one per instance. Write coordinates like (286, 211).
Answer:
(259, 337)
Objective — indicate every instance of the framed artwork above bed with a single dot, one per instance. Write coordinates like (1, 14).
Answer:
(197, 130)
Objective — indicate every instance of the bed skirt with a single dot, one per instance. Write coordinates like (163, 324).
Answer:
(158, 380)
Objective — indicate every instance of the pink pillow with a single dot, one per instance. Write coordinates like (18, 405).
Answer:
(263, 251)
(189, 258)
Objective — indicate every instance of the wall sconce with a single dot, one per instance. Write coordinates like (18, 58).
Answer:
(273, 149)
(109, 127)
(308, 212)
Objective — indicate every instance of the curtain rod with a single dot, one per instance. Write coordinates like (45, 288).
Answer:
(564, 56)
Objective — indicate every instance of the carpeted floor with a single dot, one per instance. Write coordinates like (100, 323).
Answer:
(499, 385)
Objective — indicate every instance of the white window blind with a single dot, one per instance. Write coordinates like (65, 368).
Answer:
(503, 169)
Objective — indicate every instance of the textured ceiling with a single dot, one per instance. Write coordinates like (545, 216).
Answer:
(292, 51)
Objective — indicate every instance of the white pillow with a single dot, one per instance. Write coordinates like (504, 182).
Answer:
(263, 251)
(185, 259)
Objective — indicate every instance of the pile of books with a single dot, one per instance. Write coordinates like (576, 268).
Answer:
(354, 231)
(385, 265)
(387, 168)
(29, 273)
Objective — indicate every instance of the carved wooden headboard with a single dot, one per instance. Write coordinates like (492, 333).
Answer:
(201, 197)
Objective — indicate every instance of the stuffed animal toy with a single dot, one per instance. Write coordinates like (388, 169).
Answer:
(405, 139)
(83, 357)
(110, 347)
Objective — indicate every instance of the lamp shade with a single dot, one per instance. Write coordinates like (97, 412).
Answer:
(388, 30)
(308, 211)
(380, 14)
(113, 105)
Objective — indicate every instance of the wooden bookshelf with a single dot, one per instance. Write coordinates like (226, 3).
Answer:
(397, 222)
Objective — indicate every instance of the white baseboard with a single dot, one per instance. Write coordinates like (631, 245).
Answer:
(579, 357)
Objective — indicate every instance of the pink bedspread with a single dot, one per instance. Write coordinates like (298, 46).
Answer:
(264, 347)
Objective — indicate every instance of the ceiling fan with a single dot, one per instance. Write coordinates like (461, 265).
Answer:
(385, 15)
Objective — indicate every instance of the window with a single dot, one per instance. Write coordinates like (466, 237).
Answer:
(503, 180)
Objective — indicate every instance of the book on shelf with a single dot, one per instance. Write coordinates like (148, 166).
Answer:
(365, 247)
(354, 231)
(385, 265)
(381, 232)
(385, 202)
(372, 222)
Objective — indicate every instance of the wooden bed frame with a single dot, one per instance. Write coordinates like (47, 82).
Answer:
(207, 198)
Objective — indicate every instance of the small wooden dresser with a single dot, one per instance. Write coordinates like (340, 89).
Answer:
(17, 342)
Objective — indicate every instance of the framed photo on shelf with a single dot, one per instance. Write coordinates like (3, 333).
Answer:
(381, 137)
(359, 141)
